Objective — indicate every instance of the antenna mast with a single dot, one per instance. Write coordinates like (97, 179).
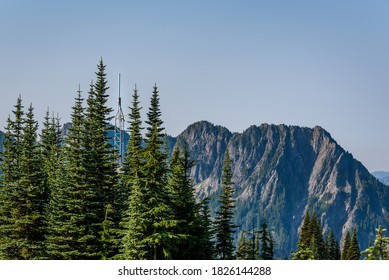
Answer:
(119, 130)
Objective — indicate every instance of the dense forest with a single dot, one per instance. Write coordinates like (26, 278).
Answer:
(69, 197)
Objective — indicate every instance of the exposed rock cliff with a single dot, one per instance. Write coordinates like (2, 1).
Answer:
(280, 172)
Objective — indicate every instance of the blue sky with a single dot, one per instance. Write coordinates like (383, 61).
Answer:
(234, 63)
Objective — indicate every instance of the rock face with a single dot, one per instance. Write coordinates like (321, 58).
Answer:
(280, 172)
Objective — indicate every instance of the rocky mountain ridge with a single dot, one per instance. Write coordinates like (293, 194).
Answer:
(280, 172)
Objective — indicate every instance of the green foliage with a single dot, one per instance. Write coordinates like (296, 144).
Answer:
(380, 248)
(100, 163)
(224, 225)
(244, 247)
(205, 245)
(317, 242)
(353, 251)
(350, 250)
(133, 222)
(158, 215)
(23, 196)
(183, 205)
(332, 247)
(50, 144)
(266, 243)
(312, 244)
(346, 246)
(67, 213)
(303, 252)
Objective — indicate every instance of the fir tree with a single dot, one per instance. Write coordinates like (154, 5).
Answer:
(68, 235)
(23, 197)
(101, 164)
(317, 242)
(266, 242)
(132, 165)
(11, 174)
(353, 250)
(183, 204)
(333, 251)
(311, 239)
(158, 214)
(380, 249)
(346, 246)
(242, 252)
(224, 225)
(134, 221)
(306, 233)
(303, 252)
(205, 244)
(50, 144)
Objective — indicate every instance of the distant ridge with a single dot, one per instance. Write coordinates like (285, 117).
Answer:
(382, 176)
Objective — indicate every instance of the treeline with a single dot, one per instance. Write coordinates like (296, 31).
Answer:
(67, 197)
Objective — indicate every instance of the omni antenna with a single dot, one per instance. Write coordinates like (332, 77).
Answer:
(119, 130)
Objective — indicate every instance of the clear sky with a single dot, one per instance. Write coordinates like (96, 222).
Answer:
(234, 63)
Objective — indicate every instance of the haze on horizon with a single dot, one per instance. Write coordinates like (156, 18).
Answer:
(233, 63)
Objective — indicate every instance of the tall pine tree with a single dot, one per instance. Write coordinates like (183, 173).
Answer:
(185, 209)
(10, 166)
(346, 246)
(353, 250)
(158, 215)
(23, 197)
(266, 242)
(68, 235)
(224, 224)
(101, 167)
(133, 244)
(205, 243)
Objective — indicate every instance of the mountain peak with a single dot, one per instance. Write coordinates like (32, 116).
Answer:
(280, 172)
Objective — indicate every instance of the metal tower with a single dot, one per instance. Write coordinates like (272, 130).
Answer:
(119, 130)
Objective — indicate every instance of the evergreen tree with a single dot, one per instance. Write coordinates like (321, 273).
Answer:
(317, 242)
(68, 235)
(266, 242)
(248, 248)
(311, 239)
(100, 164)
(353, 251)
(23, 197)
(160, 222)
(303, 252)
(333, 247)
(337, 251)
(183, 204)
(11, 174)
(346, 246)
(306, 234)
(242, 252)
(225, 226)
(134, 221)
(132, 165)
(380, 249)
(29, 221)
(205, 244)
(50, 144)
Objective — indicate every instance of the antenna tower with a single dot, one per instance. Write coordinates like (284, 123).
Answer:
(119, 130)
